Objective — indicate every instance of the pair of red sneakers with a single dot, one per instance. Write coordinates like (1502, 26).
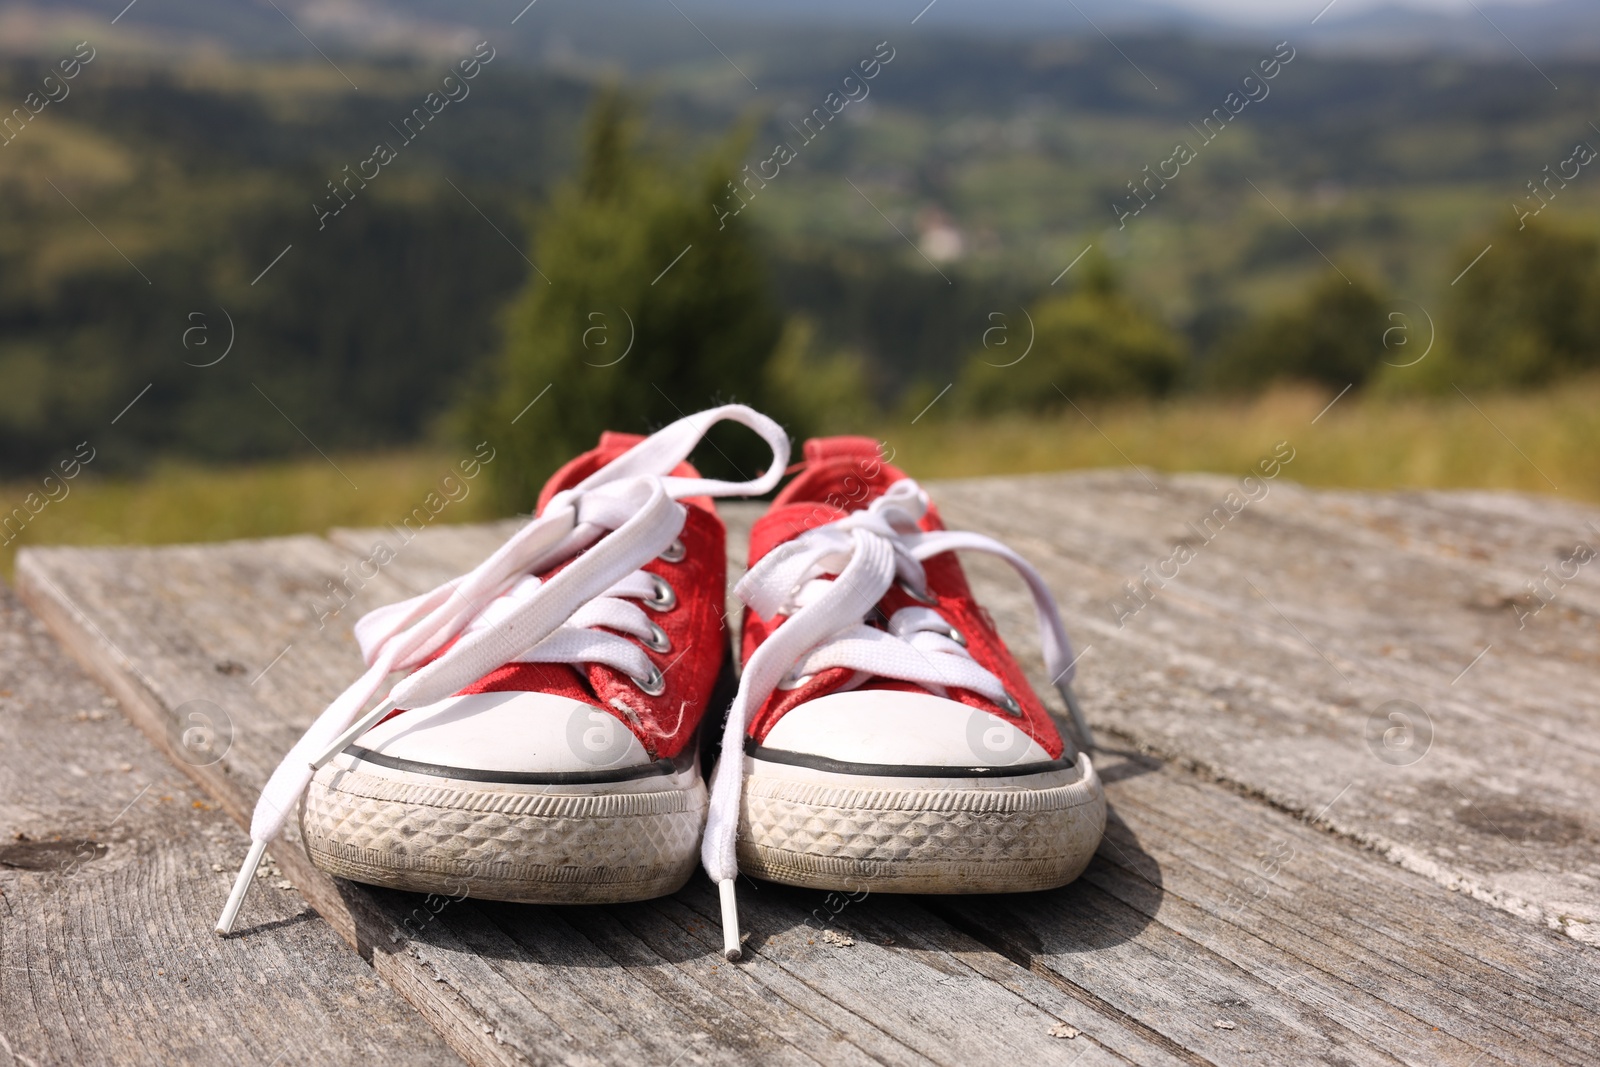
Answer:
(547, 741)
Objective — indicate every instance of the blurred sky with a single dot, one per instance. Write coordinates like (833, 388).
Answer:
(1281, 8)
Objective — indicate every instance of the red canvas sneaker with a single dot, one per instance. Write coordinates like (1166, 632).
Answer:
(542, 746)
(883, 737)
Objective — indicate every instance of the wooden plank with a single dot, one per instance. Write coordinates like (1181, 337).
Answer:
(428, 556)
(255, 640)
(513, 984)
(1260, 916)
(1342, 956)
(1274, 658)
(936, 1024)
(108, 891)
(1345, 935)
(1124, 943)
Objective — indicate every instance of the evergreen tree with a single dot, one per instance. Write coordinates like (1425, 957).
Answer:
(1527, 313)
(643, 308)
(1333, 336)
(1091, 343)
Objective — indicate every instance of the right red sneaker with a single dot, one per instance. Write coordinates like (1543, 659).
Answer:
(883, 737)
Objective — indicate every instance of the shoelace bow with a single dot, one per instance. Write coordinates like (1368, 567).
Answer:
(609, 525)
(827, 581)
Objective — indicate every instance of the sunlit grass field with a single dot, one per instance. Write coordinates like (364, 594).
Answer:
(185, 502)
(1544, 442)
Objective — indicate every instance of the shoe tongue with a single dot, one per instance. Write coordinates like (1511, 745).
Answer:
(785, 522)
(612, 445)
(822, 449)
(847, 470)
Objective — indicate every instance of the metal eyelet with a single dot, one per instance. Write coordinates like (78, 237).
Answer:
(674, 552)
(792, 682)
(652, 684)
(921, 597)
(1009, 705)
(663, 599)
(957, 636)
(657, 640)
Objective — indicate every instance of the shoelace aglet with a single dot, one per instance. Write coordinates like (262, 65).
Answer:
(730, 922)
(241, 886)
(359, 727)
(1079, 723)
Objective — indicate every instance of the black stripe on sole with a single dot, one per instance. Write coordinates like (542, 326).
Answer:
(662, 768)
(902, 770)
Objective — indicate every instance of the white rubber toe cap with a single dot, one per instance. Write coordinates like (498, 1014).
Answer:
(902, 729)
(516, 732)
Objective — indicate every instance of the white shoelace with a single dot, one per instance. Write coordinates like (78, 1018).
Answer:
(619, 518)
(826, 581)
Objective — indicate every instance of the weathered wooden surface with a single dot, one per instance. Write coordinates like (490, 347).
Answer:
(1273, 658)
(507, 984)
(107, 892)
(1211, 903)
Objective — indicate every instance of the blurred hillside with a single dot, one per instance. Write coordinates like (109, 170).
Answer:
(180, 197)
(653, 36)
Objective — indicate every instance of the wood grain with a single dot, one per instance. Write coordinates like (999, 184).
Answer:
(1273, 658)
(1151, 950)
(107, 892)
(1308, 946)
(504, 984)
(1214, 900)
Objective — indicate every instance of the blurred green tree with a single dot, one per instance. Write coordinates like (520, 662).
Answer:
(1090, 343)
(825, 391)
(1333, 336)
(1529, 312)
(644, 307)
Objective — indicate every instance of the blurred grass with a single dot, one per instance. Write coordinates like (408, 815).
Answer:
(185, 502)
(1370, 442)
(1361, 442)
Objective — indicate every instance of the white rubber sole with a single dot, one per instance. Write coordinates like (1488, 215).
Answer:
(540, 844)
(823, 829)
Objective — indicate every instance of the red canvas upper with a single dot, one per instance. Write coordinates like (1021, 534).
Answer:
(844, 474)
(695, 625)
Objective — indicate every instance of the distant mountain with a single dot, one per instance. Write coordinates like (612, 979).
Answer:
(1568, 28)
(992, 16)
(650, 34)
(1563, 27)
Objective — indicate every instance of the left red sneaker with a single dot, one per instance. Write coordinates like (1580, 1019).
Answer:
(543, 744)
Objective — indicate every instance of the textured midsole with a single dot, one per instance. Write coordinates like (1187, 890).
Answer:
(827, 830)
(537, 844)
